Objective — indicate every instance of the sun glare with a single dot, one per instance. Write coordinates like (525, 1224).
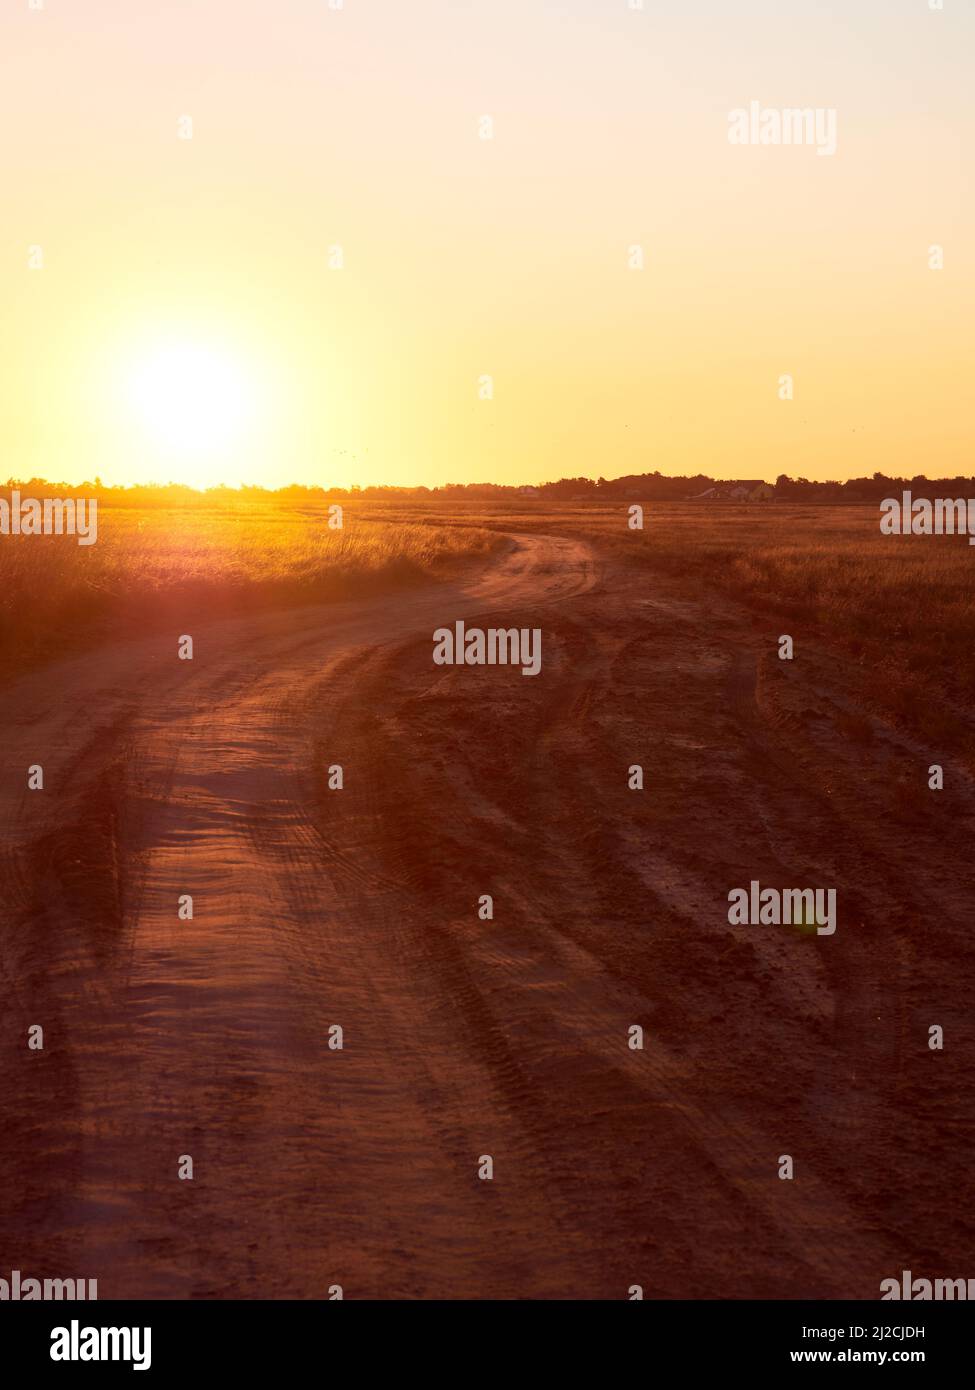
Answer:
(190, 399)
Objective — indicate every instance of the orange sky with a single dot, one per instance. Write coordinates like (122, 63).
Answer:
(463, 258)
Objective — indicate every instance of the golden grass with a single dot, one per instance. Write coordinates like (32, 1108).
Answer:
(910, 600)
(903, 606)
(150, 562)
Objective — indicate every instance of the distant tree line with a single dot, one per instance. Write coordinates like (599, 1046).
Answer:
(654, 485)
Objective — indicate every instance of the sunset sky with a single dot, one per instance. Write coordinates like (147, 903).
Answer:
(184, 323)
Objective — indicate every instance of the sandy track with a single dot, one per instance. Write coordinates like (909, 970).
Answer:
(463, 1037)
(209, 1037)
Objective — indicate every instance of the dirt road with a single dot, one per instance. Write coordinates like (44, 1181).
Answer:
(357, 1167)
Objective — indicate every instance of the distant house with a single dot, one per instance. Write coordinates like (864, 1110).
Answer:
(528, 492)
(748, 490)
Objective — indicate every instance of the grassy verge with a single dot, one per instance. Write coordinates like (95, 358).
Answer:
(151, 564)
(902, 607)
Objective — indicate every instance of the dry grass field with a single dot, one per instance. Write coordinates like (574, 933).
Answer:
(467, 1036)
(903, 607)
(909, 600)
(152, 563)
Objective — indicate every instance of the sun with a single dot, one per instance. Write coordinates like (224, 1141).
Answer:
(192, 400)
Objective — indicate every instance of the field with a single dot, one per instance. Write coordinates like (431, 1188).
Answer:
(152, 562)
(506, 1035)
(904, 606)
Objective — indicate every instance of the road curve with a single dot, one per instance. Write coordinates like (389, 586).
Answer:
(208, 1038)
(169, 1039)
